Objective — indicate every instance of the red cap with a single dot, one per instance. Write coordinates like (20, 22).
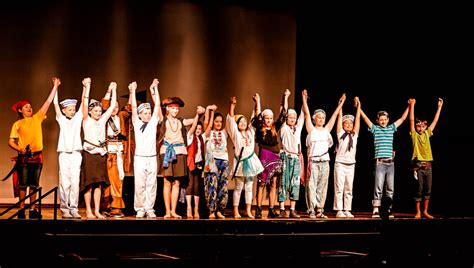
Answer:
(17, 106)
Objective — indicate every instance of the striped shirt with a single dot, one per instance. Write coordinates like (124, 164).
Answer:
(383, 140)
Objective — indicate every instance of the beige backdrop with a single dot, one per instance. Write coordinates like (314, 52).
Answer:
(204, 55)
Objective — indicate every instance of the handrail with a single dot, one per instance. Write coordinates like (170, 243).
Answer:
(38, 200)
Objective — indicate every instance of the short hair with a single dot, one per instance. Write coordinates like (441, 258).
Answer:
(382, 113)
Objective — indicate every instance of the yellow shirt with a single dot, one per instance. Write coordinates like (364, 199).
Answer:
(28, 131)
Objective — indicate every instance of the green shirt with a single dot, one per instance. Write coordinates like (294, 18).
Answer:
(422, 145)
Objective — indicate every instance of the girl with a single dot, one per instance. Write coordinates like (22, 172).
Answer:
(247, 163)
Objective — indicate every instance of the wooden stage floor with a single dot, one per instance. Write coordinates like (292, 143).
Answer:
(333, 242)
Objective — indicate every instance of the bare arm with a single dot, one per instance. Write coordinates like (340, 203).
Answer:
(132, 87)
(357, 117)
(307, 116)
(285, 97)
(86, 83)
(199, 111)
(155, 95)
(366, 119)
(332, 120)
(206, 115)
(56, 105)
(47, 103)
(339, 121)
(258, 107)
(411, 105)
(13, 144)
(232, 104)
(113, 101)
(401, 119)
(438, 112)
(209, 126)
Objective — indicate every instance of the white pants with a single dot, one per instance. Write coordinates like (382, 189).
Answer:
(145, 169)
(343, 182)
(239, 184)
(69, 179)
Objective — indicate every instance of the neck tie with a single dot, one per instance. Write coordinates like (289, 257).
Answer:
(349, 146)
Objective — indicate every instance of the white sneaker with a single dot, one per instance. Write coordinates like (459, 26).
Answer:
(140, 214)
(150, 214)
(340, 214)
(76, 215)
(348, 214)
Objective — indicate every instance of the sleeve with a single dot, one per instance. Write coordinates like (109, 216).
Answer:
(231, 127)
(257, 121)
(14, 132)
(281, 119)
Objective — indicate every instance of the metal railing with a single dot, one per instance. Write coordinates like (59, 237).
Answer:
(38, 200)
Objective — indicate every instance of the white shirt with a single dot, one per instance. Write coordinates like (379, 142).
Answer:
(69, 133)
(145, 141)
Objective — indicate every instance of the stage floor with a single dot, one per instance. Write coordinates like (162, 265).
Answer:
(333, 242)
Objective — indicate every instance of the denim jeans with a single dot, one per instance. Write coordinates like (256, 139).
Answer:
(384, 180)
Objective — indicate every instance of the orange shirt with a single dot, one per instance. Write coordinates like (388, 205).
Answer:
(28, 131)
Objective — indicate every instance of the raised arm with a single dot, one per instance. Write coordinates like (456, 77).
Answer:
(86, 87)
(49, 100)
(332, 120)
(199, 111)
(258, 107)
(155, 95)
(207, 114)
(339, 121)
(232, 104)
(357, 117)
(366, 119)
(401, 119)
(307, 115)
(411, 105)
(132, 88)
(211, 119)
(285, 97)
(57, 109)
(113, 101)
(438, 112)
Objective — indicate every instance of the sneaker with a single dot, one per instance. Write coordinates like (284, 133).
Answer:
(294, 214)
(258, 213)
(76, 215)
(34, 214)
(140, 214)
(150, 214)
(340, 214)
(348, 214)
(283, 214)
(376, 214)
(116, 213)
(66, 215)
(272, 213)
(390, 215)
(21, 214)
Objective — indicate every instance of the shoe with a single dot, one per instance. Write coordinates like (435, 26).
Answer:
(116, 213)
(390, 215)
(348, 214)
(321, 215)
(150, 215)
(34, 214)
(294, 214)
(258, 212)
(340, 214)
(21, 214)
(272, 213)
(76, 215)
(140, 214)
(376, 214)
(283, 214)
(66, 215)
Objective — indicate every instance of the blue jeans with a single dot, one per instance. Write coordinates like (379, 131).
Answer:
(384, 180)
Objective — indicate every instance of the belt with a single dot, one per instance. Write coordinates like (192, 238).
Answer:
(385, 160)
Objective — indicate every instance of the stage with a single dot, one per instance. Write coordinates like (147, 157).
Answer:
(333, 242)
